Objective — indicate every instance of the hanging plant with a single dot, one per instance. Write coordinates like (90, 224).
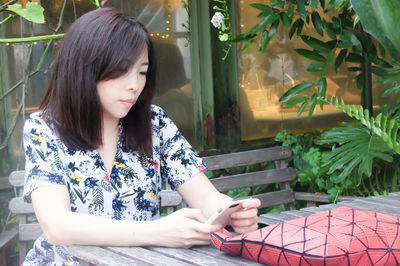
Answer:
(221, 21)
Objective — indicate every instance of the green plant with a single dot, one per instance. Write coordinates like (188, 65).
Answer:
(359, 157)
(221, 21)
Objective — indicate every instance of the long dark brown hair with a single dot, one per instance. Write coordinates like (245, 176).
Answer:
(101, 45)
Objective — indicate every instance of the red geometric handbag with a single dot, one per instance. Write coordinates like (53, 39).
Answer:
(343, 236)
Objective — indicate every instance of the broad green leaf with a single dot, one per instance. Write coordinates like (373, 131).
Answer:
(273, 28)
(302, 9)
(390, 77)
(322, 84)
(261, 7)
(314, 68)
(340, 58)
(394, 89)
(316, 44)
(380, 62)
(295, 101)
(290, 12)
(296, 90)
(314, 3)
(313, 55)
(243, 37)
(328, 61)
(300, 27)
(264, 41)
(285, 19)
(329, 29)
(313, 103)
(302, 107)
(263, 23)
(348, 37)
(33, 11)
(354, 58)
(322, 2)
(380, 19)
(247, 44)
(317, 22)
(294, 28)
(378, 71)
(353, 69)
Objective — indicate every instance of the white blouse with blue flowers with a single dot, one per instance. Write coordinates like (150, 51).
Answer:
(131, 192)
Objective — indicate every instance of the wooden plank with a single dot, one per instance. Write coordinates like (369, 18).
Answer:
(29, 231)
(392, 202)
(146, 255)
(170, 198)
(102, 257)
(247, 157)
(298, 213)
(396, 194)
(18, 206)
(253, 179)
(275, 198)
(17, 178)
(7, 237)
(321, 208)
(372, 206)
(282, 216)
(306, 196)
(189, 256)
(229, 260)
(265, 219)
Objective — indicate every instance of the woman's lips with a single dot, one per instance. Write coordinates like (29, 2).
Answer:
(128, 103)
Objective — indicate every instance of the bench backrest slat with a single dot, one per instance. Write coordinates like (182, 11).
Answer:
(243, 158)
(226, 183)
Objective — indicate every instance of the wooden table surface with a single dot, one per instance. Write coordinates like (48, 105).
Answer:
(207, 255)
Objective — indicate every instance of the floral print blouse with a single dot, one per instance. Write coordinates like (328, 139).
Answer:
(131, 192)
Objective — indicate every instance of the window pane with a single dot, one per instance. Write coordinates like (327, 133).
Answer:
(263, 78)
(163, 19)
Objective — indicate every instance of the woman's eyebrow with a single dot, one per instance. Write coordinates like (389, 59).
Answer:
(145, 63)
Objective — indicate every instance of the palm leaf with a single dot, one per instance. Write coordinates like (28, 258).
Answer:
(357, 151)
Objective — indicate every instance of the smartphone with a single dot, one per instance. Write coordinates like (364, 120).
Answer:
(223, 215)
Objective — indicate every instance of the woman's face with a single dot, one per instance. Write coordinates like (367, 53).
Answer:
(117, 96)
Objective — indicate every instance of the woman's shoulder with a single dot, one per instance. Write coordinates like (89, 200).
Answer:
(36, 122)
(157, 112)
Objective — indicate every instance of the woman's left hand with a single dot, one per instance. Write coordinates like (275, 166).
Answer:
(246, 220)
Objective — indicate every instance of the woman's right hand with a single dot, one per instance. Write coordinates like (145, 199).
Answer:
(184, 228)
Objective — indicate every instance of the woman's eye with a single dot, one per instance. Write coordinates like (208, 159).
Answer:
(143, 73)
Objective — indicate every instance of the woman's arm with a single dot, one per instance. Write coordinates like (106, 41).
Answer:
(64, 227)
(199, 193)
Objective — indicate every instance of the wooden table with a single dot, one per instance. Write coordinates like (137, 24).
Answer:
(207, 255)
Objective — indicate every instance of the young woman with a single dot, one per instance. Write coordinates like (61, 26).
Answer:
(97, 151)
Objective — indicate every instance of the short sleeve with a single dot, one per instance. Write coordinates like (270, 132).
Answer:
(179, 161)
(42, 162)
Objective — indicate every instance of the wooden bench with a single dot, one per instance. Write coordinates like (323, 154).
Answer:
(29, 229)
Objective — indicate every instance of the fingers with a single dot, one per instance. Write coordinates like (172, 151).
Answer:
(251, 203)
(193, 214)
(245, 229)
(246, 220)
(246, 214)
(199, 224)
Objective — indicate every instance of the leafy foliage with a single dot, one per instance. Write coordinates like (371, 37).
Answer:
(387, 129)
(380, 19)
(32, 12)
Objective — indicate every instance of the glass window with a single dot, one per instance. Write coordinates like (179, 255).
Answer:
(263, 78)
(163, 19)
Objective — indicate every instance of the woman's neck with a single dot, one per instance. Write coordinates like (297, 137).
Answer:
(110, 129)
